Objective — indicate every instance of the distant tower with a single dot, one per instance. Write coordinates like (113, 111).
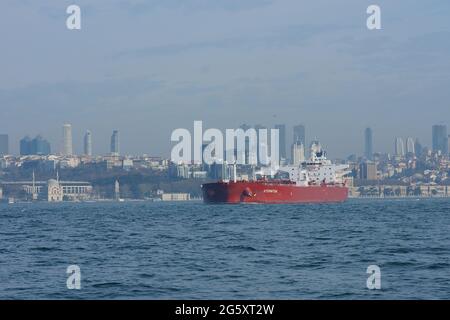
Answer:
(117, 190)
(418, 148)
(368, 143)
(299, 134)
(440, 139)
(25, 146)
(315, 147)
(264, 148)
(88, 143)
(4, 144)
(298, 153)
(399, 147)
(67, 140)
(282, 135)
(115, 143)
(410, 146)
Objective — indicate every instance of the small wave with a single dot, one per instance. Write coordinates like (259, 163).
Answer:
(107, 285)
(45, 249)
(241, 248)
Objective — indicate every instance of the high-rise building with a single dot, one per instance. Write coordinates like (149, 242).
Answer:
(299, 134)
(115, 143)
(298, 153)
(282, 135)
(67, 140)
(418, 148)
(264, 148)
(440, 139)
(37, 146)
(399, 147)
(448, 144)
(368, 171)
(40, 146)
(88, 143)
(244, 127)
(410, 146)
(25, 146)
(4, 144)
(368, 143)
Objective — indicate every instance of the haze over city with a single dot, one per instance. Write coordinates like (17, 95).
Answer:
(146, 68)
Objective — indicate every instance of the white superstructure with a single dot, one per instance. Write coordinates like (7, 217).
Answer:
(317, 170)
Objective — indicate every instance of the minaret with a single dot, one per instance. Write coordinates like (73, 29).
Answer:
(117, 190)
(33, 192)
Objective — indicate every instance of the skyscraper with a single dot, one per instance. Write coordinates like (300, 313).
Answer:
(299, 134)
(115, 143)
(418, 148)
(88, 143)
(399, 147)
(410, 146)
(264, 148)
(40, 146)
(298, 153)
(440, 139)
(368, 143)
(4, 144)
(282, 132)
(37, 146)
(67, 139)
(25, 146)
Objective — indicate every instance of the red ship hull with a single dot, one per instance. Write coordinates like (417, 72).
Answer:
(271, 192)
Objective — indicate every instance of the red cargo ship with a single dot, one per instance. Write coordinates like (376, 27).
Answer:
(313, 181)
(271, 192)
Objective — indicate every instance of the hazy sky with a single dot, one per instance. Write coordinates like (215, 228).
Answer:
(146, 67)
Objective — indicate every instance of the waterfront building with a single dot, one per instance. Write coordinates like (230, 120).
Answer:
(175, 197)
(54, 191)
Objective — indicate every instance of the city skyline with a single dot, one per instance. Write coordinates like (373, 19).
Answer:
(439, 138)
(282, 62)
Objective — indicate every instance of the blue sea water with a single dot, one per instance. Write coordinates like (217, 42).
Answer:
(145, 250)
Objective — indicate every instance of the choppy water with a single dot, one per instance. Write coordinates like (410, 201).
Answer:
(147, 250)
